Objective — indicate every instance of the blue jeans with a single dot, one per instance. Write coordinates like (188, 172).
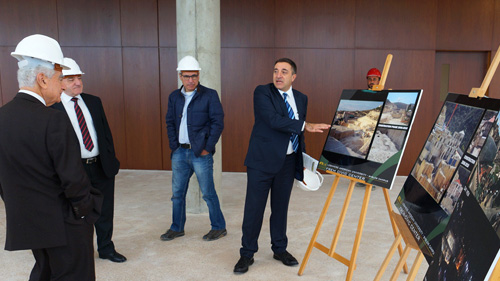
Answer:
(184, 163)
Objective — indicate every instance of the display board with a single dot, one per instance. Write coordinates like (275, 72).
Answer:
(369, 133)
(449, 200)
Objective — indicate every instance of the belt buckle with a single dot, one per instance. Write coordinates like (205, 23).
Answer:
(90, 160)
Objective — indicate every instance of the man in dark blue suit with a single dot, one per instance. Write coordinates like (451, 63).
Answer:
(273, 160)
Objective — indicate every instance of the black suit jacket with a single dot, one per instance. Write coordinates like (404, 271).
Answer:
(272, 129)
(42, 179)
(107, 155)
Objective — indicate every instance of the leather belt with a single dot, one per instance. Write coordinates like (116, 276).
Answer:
(186, 145)
(90, 160)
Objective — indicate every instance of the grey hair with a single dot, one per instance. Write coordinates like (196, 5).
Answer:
(26, 76)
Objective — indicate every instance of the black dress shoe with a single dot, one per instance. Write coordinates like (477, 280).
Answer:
(243, 264)
(286, 258)
(170, 235)
(215, 234)
(113, 256)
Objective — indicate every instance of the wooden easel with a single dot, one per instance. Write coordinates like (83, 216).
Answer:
(350, 263)
(385, 72)
(405, 234)
(480, 92)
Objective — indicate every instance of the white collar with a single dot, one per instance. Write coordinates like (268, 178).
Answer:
(289, 92)
(66, 98)
(33, 94)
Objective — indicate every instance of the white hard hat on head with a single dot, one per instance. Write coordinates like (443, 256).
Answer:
(188, 63)
(38, 49)
(74, 68)
(312, 181)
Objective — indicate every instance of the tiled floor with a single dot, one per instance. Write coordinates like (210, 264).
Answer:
(143, 213)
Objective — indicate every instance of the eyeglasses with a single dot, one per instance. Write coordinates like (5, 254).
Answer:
(187, 77)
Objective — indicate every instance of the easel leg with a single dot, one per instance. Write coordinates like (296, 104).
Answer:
(357, 240)
(393, 224)
(387, 259)
(415, 266)
(341, 219)
(319, 224)
(399, 266)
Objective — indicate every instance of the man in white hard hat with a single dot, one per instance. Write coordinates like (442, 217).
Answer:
(195, 121)
(273, 160)
(87, 116)
(49, 201)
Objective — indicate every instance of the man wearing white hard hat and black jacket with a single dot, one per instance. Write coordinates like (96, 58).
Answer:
(87, 116)
(49, 201)
(195, 121)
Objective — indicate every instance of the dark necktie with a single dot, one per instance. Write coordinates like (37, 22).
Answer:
(294, 138)
(87, 140)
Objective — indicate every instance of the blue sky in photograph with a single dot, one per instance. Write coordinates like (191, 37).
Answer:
(409, 97)
(358, 105)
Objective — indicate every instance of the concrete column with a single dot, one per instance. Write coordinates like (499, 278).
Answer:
(198, 35)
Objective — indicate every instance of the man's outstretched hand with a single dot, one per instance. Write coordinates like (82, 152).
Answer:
(316, 127)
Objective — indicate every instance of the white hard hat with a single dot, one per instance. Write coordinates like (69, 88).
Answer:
(36, 48)
(74, 68)
(188, 63)
(312, 181)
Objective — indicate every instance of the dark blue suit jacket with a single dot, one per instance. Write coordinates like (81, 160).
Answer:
(205, 119)
(272, 129)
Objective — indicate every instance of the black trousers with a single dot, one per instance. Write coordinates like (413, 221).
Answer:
(259, 184)
(74, 261)
(104, 225)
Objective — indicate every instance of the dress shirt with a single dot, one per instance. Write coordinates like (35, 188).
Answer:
(291, 101)
(69, 105)
(33, 94)
(183, 131)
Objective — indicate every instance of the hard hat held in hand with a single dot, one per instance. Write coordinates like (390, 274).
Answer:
(188, 63)
(39, 47)
(312, 181)
(74, 68)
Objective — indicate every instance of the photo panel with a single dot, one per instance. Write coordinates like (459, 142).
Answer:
(445, 147)
(386, 143)
(484, 183)
(459, 157)
(455, 189)
(399, 108)
(359, 145)
(482, 133)
(468, 245)
(423, 215)
(353, 127)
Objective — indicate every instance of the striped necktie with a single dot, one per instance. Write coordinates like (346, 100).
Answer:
(294, 138)
(87, 140)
